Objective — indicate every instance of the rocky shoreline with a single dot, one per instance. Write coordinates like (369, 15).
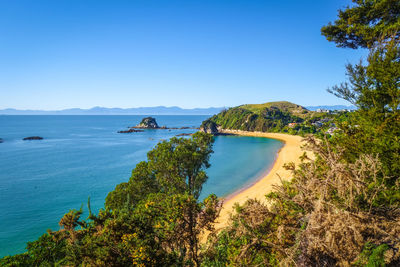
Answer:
(214, 129)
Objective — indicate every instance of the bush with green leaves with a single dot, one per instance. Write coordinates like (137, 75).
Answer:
(154, 219)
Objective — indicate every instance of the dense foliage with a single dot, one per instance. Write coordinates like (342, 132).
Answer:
(154, 219)
(270, 119)
(365, 23)
(375, 129)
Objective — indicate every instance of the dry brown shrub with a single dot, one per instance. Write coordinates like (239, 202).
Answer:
(339, 224)
(324, 216)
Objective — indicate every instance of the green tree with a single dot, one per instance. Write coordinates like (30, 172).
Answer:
(45, 251)
(179, 164)
(365, 23)
(374, 87)
(154, 219)
(175, 167)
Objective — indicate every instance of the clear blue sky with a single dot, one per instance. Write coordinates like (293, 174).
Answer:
(80, 53)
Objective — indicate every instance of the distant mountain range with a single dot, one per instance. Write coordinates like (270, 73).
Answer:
(160, 110)
(335, 107)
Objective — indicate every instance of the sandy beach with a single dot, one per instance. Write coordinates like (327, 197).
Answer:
(290, 152)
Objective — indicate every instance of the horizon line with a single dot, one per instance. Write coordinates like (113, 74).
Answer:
(94, 107)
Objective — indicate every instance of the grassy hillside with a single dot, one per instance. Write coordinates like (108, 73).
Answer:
(284, 106)
(280, 116)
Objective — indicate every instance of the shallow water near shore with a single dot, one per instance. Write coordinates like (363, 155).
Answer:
(84, 156)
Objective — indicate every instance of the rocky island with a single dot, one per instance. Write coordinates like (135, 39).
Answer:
(151, 123)
(148, 123)
(32, 138)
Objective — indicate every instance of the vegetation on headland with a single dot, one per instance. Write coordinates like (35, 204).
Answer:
(340, 209)
(283, 116)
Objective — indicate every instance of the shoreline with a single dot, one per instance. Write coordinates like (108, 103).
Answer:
(256, 179)
(289, 152)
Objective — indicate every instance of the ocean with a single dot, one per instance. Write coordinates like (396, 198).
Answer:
(84, 156)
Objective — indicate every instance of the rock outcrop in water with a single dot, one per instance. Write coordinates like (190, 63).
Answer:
(1, 140)
(148, 123)
(209, 127)
(151, 123)
(32, 138)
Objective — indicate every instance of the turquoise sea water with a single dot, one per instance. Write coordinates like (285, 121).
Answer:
(84, 156)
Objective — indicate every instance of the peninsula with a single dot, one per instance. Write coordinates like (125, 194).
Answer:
(273, 117)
